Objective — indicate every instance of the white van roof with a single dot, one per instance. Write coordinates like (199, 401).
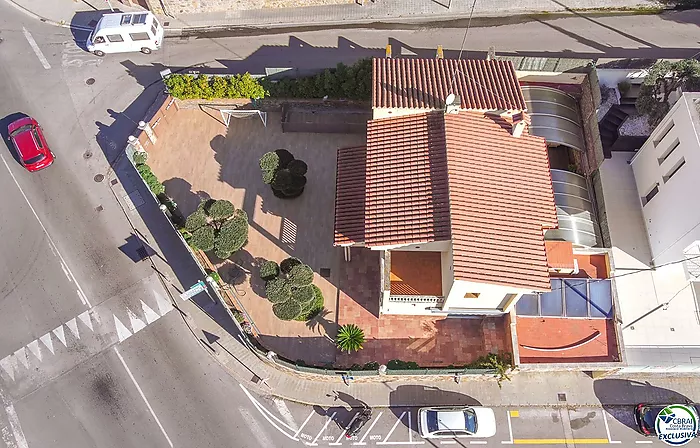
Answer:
(123, 19)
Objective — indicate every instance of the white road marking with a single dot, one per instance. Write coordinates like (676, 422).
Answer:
(643, 441)
(284, 412)
(73, 327)
(151, 316)
(385, 441)
(410, 433)
(510, 431)
(48, 342)
(311, 414)
(53, 246)
(15, 427)
(325, 425)
(257, 430)
(448, 442)
(60, 334)
(34, 348)
(607, 429)
(148, 405)
(362, 440)
(21, 356)
(136, 323)
(85, 318)
(263, 411)
(83, 299)
(478, 442)
(36, 49)
(337, 442)
(65, 271)
(164, 305)
(9, 365)
(123, 333)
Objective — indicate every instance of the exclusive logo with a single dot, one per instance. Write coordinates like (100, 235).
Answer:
(676, 424)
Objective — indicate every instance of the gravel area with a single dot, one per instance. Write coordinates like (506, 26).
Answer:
(608, 97)
(636, 125)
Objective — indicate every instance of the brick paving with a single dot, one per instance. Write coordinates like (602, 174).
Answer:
(429, 341)
(199, 158)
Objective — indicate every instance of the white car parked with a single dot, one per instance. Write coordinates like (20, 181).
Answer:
(123, 32)
(451, 422)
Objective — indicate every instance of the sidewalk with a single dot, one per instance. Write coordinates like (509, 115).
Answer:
(81, 13)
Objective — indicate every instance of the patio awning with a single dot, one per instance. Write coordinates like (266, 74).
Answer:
(554, 116)
(577, 221)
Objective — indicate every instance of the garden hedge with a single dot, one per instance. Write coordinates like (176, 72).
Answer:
(209, 87)
(287, 310)
(269, 270)
(278, 290)
(203, 238)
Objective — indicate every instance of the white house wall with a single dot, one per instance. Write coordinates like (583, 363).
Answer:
(490, 296)
(671, 217)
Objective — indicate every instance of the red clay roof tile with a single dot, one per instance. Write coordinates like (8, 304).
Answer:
(425, 83)
(350, 196)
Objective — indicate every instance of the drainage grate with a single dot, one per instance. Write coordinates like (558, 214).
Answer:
(325, 272)
(142, 253)
(99, 208)
(561, 397)
(99, 177)
(114, 182)
(90, 81)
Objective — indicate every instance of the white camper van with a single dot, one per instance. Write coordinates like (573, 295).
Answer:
(122, 32)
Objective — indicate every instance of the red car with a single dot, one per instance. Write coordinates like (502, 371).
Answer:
(30, 143)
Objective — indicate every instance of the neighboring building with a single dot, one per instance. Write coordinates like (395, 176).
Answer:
(654, 224)
(457, 197)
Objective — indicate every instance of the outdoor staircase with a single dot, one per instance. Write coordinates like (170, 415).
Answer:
(609, 129)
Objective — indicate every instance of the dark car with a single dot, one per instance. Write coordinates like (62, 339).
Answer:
(31, 146)
(645, 416)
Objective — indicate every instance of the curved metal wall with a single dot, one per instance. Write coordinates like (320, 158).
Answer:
(554, 116)
(577, 222)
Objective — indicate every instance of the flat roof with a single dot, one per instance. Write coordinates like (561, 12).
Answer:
(120, 19)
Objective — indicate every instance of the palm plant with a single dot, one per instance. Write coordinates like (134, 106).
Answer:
(350, 338)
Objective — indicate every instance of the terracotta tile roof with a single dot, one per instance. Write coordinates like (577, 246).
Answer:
(560, 254)
(406, 198)
(425, 83)
(501, 199)
(350, 193)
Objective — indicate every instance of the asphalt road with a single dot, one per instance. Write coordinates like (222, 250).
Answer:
(70, 375)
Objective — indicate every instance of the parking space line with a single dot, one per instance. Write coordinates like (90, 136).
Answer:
(510, 427)
(410, 432)
(35, 47)
(263, 412)
(337, 442)
(448, 442)
(362, 440)
(478, 442)
(643, 441)
(560, 441)
(384, 442)
(607, 428)
(305, 422)
(325, 425)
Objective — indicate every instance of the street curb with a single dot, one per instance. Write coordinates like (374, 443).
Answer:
(44, 19)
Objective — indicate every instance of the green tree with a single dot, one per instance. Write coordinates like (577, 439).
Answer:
(203, 238)
(195, 220)
(664, 78)
(221, 210)
(350, 338)
(269, 270)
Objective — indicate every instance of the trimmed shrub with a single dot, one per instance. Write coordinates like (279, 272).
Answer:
(288, 263)
(314, 308)
(287, 310)
(397, 364)
(270, 161)
(203, 238)
(285, 157)
(278, 290)
(303, 295)
(232, 235)
(140, 158)
(208, 87)
(297, 167)
(268, 176)
(196, 220)
(301, 275)
(269, 270)
(221, 209)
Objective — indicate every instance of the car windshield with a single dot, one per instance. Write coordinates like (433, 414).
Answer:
(19, 130)
(35, 159)
(470, 421)
(649, 416)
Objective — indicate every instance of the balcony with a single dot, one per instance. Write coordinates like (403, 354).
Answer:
(415, 285)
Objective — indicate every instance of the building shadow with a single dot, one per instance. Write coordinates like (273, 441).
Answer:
(4, 123)
(405, 398)
(86, 19)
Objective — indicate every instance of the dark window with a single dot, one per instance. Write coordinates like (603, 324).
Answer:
(527, 305)
(674, 170)
(663, 133)
(115, 38)
(21, 129)
(139, 19)
(551, 302)
(676, 143)
(37, 138)
(650, 195)
(601, 298)
(139, 36)
(35, 159)
(470, 421)
(432, 420)
(576, 299)
(126, 19)
(154, 30)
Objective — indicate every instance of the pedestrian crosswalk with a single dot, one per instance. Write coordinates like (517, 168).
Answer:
(76, 340)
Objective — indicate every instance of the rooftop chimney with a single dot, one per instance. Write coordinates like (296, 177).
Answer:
(518, 128)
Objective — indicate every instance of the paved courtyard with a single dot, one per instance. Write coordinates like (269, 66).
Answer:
(200, 158)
